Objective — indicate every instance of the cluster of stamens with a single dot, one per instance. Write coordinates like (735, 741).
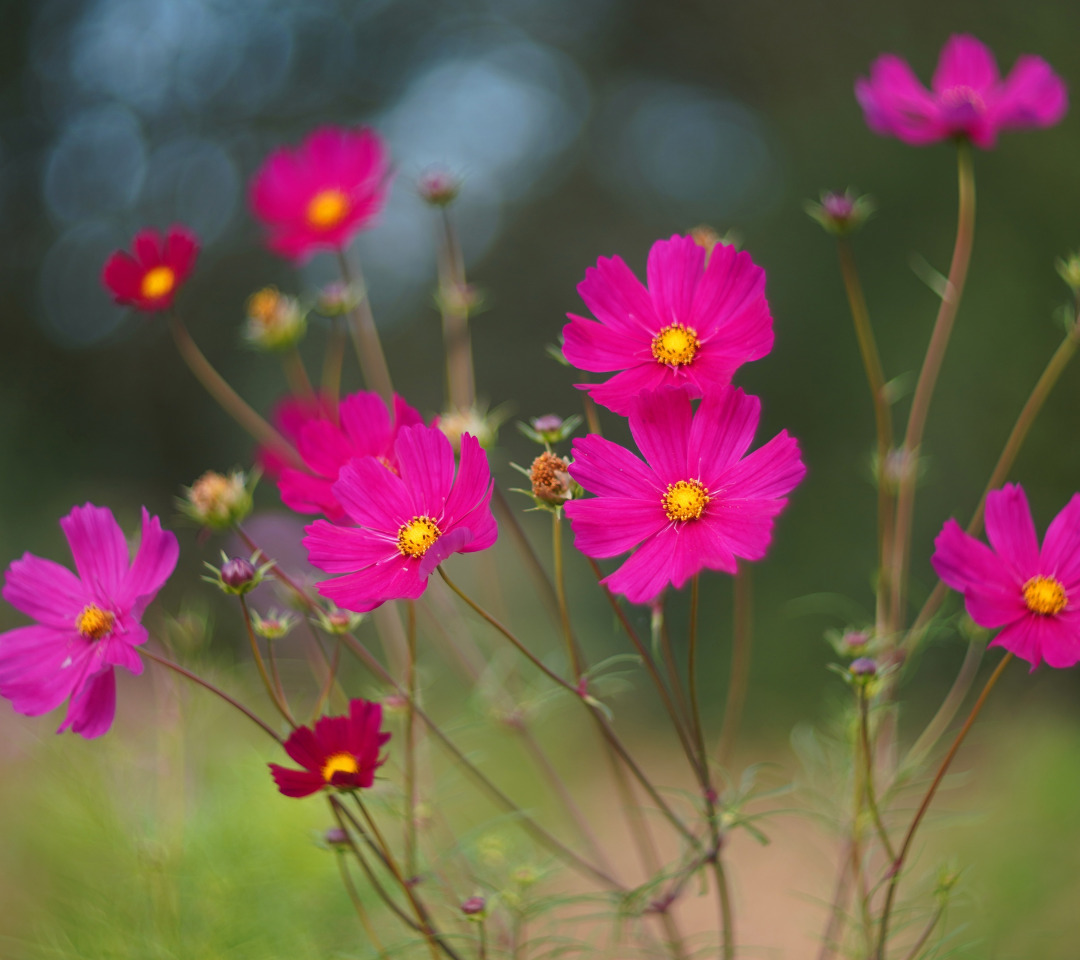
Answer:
(675, 345)
(685, 500)
(415, 538)
(1045, 596)
(339, 763)
(327, 209)
(963, 97)
(158, 282)
(94, 623)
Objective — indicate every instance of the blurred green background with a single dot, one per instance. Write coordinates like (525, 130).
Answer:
(583, 128)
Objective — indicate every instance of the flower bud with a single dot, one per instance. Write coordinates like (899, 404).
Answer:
(338, 622)
(474, 907)
(275, 321)
(438, 186)
(274, 625)
(550, 481)
(477, 420)
(237, 573)
(336, 837)
(854, 641)
(337, 298)
(840, 213)
(550, 429)
(863, 667)
(1069, 270)
(217, 501)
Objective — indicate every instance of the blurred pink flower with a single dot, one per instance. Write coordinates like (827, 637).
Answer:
(1033, 593)
(362, 428)
(149, 279)
(697, 503)
(700, 319)
(409, 520)
(87, 623)
(321, 194)
(340, 752)
(968, 97)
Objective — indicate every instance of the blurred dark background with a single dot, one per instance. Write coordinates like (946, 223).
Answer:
(582, 128)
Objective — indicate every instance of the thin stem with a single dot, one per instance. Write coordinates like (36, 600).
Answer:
(228, 399)
(868, 774)
(898, 863)
(331, 676)
(217, 691)
(739, 682)
(916, 948)
(501, 799)
(333, 360)
(296, 374)
(358, 904)
(691, 670)
(453, 304)
(834, 928)
(271, 689)
(560, 592)
(410, 746)
(924, 388)
(1031, 409)
(875, 377)
(727, 918)
(365, 335)
(594, 708)
(662, 640)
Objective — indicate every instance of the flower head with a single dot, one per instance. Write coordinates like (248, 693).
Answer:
(699, 502)
(338, 752)
(218, 501)
(1032, 593)
(409, 520)
(319, 195)
(692, 327)
(149, 277)
(967, 98)
(275, 321)
(87, 622)
(362, 428)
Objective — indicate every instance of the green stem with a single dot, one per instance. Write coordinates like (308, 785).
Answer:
(365, 335)
(739, 683)
(460, 379)
(410, 746)
(924, 388)
(358, 904)
(333, 361)
(868, 775)
(276, 698)
(695, 706)
(296, 375)
(572, 651)
(905, 847)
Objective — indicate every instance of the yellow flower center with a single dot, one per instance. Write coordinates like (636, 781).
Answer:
(1045, 596)
(94, 623)
(327, 209)
(262, 306)
(415, 538)
(158, 282)
(675, 345)
(339, 763)
(685, 500)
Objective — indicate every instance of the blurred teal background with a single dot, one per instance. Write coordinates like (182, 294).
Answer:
(583, 128)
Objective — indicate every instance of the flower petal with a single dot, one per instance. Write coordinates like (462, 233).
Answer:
(1011, 531)
(154, 563)
(604, 468)
(643, 577)
(722, 432)
(92, 709)
(46, 591)
(660, 424)
(618, 299)
(1060, 556)
(965, 62)
(1031, 96)
(608, 526)
(338, 549)
(373, 495)
(676, 267)
(598, 348)
(99, 550)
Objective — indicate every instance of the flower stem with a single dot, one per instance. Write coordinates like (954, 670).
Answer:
(365, 335)
(460, 379)
(875, 377)
(358, 905)
(228, 399)
(868, 774)
(410, 745)
(898, 863)
(924, 388)
(740, 665)
(217, 691)
(274, 691)
(695, 707)
(572, 651)
(296, 375)
(333, 360)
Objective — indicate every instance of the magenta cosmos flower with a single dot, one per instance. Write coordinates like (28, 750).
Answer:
(318, 196)
(693, 327)
(149, 277)
(340, 752)
(1032, 593)
(697, 503)
(86, 623)
(363, 428)
(967, 98)
(409, 520)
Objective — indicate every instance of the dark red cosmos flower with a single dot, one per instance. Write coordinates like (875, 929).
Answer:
(149, 277)
(340, 752)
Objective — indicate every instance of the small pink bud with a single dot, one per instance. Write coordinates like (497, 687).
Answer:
(473, 906)
(237, 573)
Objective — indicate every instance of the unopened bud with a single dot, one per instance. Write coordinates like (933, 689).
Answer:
(474, 906)
(1069, 270)
(336, 837)
(550, 429)
(863, 667)
(237, 573)
(841, 213)
(438, 186)
(338, 622)
(274, 625)
(218, 501)
(481, 423)
(550, 481)
(275, 321)
(855, 640)
(337, 298)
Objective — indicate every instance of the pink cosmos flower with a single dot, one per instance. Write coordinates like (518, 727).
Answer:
(363, 428)
(340, 752)
(149, 279)
(321, 194)
(698, 503)
(409, 521)
(694, 326)
(86, 623)
(968, 97)
(1032, 593)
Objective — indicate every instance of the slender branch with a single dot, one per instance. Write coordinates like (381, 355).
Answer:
(365, 335)
(695, 707)
(217, 691)
(834, 928)
(460, 379)
(333, 360)
(898, 863)
(410, 746)
(924, 388)
(738, 684)
(572, 651)
(916, 948)
(358, 904)
(868, 775)
(296, 375)
(276, 698)
(228, 399)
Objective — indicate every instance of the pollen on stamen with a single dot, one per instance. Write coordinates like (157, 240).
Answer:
(158, 282)
(416, 537)
(685, 500)
(1045, 596)
(94, 623)
(339, 763)
(327, 209)
(675, 345)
